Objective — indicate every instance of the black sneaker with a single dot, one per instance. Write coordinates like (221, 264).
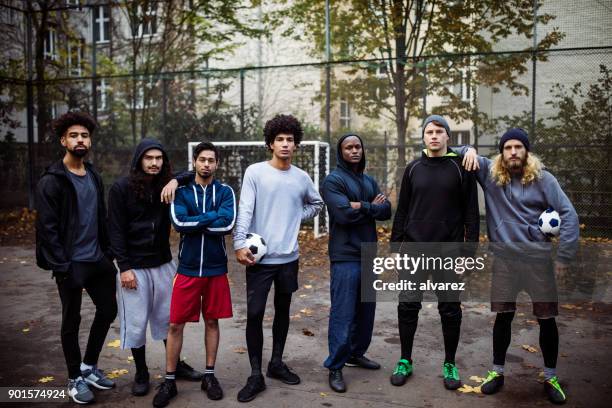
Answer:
(185, 372)
(362, 362)
(255, 384)
(141, 385)
(212, 387)
(555, 393)
(167, 391)
(336, 381)
(283, 373)
(492, 383)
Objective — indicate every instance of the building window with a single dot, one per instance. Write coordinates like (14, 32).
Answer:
(463, 89)
(345, 115)
(73, 2)
(75, 57)
(459, 138)
(51, 44)
(102, 95)
(143, 94)
(101, 24)
(145, 21)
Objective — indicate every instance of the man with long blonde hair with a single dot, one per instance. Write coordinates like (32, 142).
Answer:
(517, 190)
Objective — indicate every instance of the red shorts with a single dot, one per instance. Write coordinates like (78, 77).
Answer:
(190, 295)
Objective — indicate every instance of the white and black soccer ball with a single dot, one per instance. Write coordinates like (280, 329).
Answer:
(550, 223)
(257, 245)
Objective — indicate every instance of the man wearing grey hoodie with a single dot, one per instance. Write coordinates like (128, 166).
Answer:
(517, 190)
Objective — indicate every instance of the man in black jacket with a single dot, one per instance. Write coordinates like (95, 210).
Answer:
(72, 241)
(354, 203)
(139, 227)
(438, 202)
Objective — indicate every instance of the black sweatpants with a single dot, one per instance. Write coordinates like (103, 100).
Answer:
(98, 279)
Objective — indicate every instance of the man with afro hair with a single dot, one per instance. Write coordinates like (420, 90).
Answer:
(276, 197)
(72, 241)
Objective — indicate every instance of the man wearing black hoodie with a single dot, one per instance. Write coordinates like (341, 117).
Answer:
(139, 227)
(72, 241)
(355, 203)
(438, 202)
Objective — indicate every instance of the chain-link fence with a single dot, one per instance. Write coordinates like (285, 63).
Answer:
(561, 95)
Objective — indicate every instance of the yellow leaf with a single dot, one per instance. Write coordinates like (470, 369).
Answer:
(477, 379)
(130, 359)
(529, 348)
(240, 350)
(45, 379)
(468, 388)
(114, 343)
(25, 330)
(323, 394)
(307, 286)
(306, 312)
(117, 373)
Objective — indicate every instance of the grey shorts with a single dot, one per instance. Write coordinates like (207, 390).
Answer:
(148, 304)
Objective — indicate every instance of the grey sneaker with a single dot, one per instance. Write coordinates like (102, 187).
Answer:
(79, 391)
(97, 378)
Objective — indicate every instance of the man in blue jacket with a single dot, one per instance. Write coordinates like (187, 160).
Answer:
(517, 190)
(203, 212)
(355, 203)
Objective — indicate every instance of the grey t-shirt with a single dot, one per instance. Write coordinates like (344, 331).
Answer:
(86, 247)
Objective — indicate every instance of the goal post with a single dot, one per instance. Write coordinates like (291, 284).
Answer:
(312, 156)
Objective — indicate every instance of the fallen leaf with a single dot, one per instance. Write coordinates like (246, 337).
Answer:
(531, 321)
(477, 379)
(158, 376)
(307, 286)
(323, 394)
(529, 348)
(45, 379)
(307, 312)
(571, 307)
(520, 314)
(240, 350)
(303, 296)
(114, 343)
(25, 330)
(116, 373)
(23, 262)
(130, 359)
(468, 388)
(307, 332)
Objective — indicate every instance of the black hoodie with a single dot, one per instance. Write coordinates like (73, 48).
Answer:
(139, 229)
(349, 228)
(58, 214)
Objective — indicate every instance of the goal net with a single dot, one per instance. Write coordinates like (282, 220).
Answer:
(310, 156)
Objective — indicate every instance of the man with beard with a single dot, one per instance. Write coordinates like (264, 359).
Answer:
(72, 241)
(139, 228)
(438, 202)
(203, 212)
(276, 197)
(355, 203)
(517, 190)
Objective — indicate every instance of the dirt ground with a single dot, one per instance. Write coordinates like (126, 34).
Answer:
(30, 348)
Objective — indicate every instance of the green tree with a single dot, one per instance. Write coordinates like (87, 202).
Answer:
(423, 48)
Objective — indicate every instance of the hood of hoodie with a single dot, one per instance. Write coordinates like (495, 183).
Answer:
(343, 163)
(145, 145)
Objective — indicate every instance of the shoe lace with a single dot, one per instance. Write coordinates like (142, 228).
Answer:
(164, 387)
(491, 375)
(450, 371)
(81, 385)
(401, 367)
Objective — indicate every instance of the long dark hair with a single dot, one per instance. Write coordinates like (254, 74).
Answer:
(145, 188)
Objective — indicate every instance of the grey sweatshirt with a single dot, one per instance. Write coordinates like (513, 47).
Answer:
(513, 210)
(273, 203)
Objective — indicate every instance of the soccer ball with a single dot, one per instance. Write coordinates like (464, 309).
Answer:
(550, 222)
(257, 246)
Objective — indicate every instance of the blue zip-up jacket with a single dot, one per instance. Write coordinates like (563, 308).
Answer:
(349, 228)
(203, 215)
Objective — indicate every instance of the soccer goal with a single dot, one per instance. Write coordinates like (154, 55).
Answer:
(311, 156)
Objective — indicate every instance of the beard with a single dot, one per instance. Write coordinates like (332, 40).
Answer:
(80, 153)
(515, 165)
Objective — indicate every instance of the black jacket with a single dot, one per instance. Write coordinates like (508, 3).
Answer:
(349, 228)
(139, 229)
(438, 202)
(57, 217)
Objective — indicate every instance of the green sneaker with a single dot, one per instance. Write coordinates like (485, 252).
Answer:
(403, 370)
(492, 383)
(554, 391)
(451, 376)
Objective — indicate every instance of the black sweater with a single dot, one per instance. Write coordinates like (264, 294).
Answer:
(438, 202)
